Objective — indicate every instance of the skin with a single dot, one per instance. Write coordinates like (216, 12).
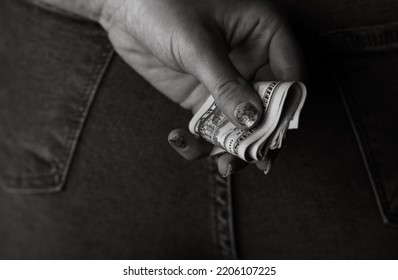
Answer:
(188, 49)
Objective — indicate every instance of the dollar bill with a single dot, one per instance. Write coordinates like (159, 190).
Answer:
(282, 102)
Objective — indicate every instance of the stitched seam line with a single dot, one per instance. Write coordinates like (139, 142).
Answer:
(84, 109)
(223, 219)
(57, 179)
(379, 193)
(371, 38)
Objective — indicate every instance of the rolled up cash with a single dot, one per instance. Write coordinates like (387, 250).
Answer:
(282, 103)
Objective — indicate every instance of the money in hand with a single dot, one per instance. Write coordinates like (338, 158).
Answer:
(282, 102)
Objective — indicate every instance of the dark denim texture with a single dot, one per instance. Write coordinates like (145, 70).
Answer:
(73, 111)
(365, 61)
(127, 193)
(46, 94)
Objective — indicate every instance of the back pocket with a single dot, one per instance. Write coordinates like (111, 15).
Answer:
(365, 62)
(51, 64)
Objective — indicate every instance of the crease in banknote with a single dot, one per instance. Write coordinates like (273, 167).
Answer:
(280, 114)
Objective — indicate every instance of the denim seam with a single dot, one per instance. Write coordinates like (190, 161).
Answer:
(56, 179)
(222, 213)
(362, 39)
(379, 193)
(83, 111)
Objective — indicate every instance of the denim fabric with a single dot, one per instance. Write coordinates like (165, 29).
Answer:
(47, 87)
(318, 202)
(75, 112)
(126, 194)
(366, 66)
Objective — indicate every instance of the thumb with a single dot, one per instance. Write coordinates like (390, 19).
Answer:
(235, 97)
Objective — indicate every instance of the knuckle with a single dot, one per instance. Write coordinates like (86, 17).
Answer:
(226, 91)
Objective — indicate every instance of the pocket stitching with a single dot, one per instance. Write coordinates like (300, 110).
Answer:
(56, 179)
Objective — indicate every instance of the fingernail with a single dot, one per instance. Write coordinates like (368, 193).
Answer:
(246, 114)
(269, 164)
(229, 171)
(178, 141)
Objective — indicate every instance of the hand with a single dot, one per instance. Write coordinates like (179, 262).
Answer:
(189, 49)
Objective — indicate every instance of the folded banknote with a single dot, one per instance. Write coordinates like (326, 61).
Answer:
(282, 102)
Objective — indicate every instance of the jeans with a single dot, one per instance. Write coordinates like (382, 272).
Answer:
(86, 170)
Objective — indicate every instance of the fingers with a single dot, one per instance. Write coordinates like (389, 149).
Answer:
(228, 164)
(286, 59)
(187, 145)
(233, 94)
(191, 147)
